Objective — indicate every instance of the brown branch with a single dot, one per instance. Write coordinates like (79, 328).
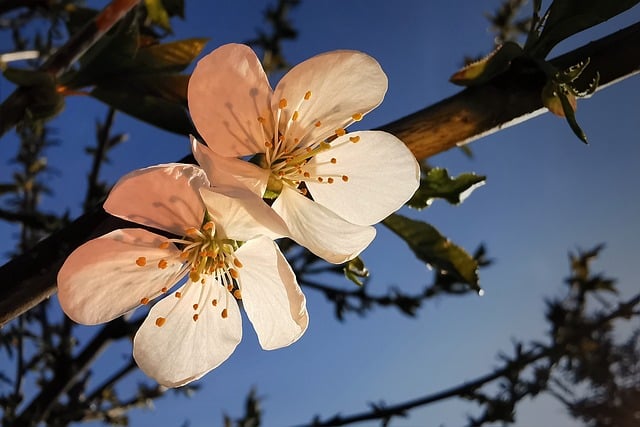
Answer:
(14, 108)
(466, 116)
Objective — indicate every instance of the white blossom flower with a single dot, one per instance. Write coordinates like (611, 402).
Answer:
(327, 185)
(226, 252)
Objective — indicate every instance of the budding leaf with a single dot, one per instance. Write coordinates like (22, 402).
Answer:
(355, 271)
(436, 183)
(158, 14)
(497, 62)
(434, 249)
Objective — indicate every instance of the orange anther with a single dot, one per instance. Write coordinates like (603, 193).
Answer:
(194, 276)
(162, 264)
(320, 179)
(164, 290)
(195, 317)
(357, 117)
(334, 160)
(237, 263)
(214, 302)
(345, 178)
(160, 321)
(307, 95)
(295, 116)
(233, 273)
(144, 301)
(318, 124)
(330, 180)
(306, 174)
(261, 119)
(354, 139)
(340, 132)
(164, 245)
(237, 294)
(195, 306)
(224, 313)
(208, 226)
(191, 230)
(282, 104)
(178, 294)
(142, 261)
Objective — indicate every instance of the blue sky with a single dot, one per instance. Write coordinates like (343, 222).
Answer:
(546, 194)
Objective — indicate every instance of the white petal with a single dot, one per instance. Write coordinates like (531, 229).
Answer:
(230, 170)
(342, 83)
(241, 215)
(271, 296)
(183, 349)
(228, 91)
(164, 196)
(382, 175)
(320, 230)
(100, 280)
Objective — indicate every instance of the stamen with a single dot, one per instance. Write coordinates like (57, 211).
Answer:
(307, 95)
(191, 230)
(224, 313)
(208, 226)
(320, 179)
(178, 294)
(330, 180)
(195, 317)
(195, 306)
(340, 132)
(354, 139)
(282, 104)
(295, 116)
(214, 302)
(144, 301)
(318, 124)
(164, 290)
(306, 175)
(237, 294)
(162, 264)
(142, 261)
(237, 263)
(345, 178)
(160, 321)
(164, 245)
(233, 273)
(194, 276)
(334, 160)
(357, 117)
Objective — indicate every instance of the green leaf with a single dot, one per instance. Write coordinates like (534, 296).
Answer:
(173, 56)
(355, 271)
(436, 183)
(497, 62)
(152, 109)
(436, 250)
(568, 17)
(157, 13)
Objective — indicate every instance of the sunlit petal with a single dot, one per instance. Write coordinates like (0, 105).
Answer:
(371, 178)
(109, 276)
(163, 196)
(183, 349)
(271, 296)
(228, 92)
(320, 230)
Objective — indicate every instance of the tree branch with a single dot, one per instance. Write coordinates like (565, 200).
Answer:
(464, 117)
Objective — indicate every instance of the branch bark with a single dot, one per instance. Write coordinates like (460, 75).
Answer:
(459, 119)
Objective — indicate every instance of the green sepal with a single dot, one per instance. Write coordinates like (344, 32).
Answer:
(157, 14)
(433, 248)
(570, 115)
(483, 70)
(436, 183)
(356, 271)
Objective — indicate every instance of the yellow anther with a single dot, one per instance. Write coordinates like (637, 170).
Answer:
(237, 263)
(164, 245)
(354, 139)
(340, 132)
(195, 306)
(142, 261)
(224, 313)
(191, 230)
(330, 180)
(357, 117)
(194, 276)
(164, 290)
(195, 317)
(237, 294)
(318, 124)
(144, 301)
(214, 302)
(307, 95)
(178, 294)
(295, 116)
(160, 321)
(208, 226)
(282, 104)
(233, 273)
(162, 264)
(345, 178)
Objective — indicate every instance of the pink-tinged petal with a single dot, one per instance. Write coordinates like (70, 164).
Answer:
(111, 275)
(241, 215)
(228, 92)
(339, 85)
(320, 230)
(372, 178)
(271, 296)
(164, 196)
(182, 349)
(230, 171)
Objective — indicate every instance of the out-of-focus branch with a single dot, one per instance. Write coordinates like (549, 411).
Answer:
(13, 109)
(466, 116)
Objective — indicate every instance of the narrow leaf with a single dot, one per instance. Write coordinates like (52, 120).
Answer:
(436, 250)
(570, 115)
(437, 183)
(173, 56)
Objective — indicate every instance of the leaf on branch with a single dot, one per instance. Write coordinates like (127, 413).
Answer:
(436, 183)
(157, 14)
(433, 248)
(565, 18)
(497, 62)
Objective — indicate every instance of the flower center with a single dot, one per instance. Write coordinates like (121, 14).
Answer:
(287, 154)
(207, 258)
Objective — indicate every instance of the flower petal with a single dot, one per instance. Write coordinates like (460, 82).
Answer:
(241, 215)
(341, 84)
(183, 349)
(382, 174)
(230, 170)
(164, 196)
(228, 91)
(101, 280)
(271, 296)
(320, 230)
